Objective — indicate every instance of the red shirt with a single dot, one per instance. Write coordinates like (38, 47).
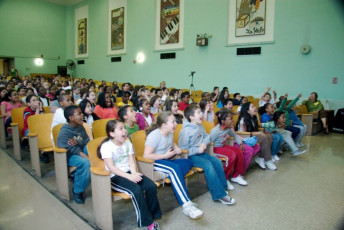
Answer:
(104, 113)
(183, 106)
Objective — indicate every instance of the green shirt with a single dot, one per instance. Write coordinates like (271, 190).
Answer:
(131, 130)
(313, 106)
(281, 108)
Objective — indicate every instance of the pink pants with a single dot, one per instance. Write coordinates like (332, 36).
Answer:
(249, 152)
(234, 160)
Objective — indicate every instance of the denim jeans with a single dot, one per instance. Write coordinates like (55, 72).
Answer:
(303, 130)
(82, 173)
(214, 174)
(276, 143)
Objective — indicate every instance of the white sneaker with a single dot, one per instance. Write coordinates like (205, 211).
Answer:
(275, 158)
(298, 152)
(272, 159)
(280, 151)
(230, 186)
(270, 165)
(260, 162)
(239, 179)
(227, 200)
(190, 210)
(298, 145)
(301, 145)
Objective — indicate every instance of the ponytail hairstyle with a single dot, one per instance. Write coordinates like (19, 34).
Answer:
(262, 109)
(222, 115)
(110, 127)
(202, 104)
(161, 119)
(139, 104)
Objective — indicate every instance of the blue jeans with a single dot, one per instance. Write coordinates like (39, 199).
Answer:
(176, 170)
(214, 174)
(82, 174)
(276, 143)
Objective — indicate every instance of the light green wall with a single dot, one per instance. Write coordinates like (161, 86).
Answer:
(29, 29)
(318, 23)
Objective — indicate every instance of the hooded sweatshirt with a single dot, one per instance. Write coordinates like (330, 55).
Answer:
(191, 136)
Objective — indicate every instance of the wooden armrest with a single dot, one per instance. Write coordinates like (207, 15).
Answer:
(243, 133)
(230, 138)
(144, 159)
(32, 134)
(121, 194)
(100, 172)
(14, 124)
(185, 151)
(211, 143)
(260, 129)
(60, 150)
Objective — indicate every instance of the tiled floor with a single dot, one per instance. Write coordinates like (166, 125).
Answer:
(306, 192)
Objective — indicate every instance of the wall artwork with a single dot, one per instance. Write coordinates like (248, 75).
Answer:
(250, 18)
(250, 22)
(169, 21)
(81, 32)
(169, 29)
(117, 29)
(82, 36)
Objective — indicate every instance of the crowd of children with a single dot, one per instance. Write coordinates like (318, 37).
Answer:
(158, 111)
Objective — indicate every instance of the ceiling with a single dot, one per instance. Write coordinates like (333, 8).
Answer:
(64, 2)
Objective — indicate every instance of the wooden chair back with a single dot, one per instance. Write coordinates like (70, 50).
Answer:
(99, 127)
(138, 140)
(41, 125)
(46, 109)
(208, 126)
(303, 109)
(176, 133)
(92, 148)
(18, 117)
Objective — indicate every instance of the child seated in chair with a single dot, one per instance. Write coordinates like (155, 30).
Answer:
(128, 116)
(74, 138)
(59, 117)
(160, 147)
(193, 138)
(34, 107)
(118, 154)
(125, 99)
(144, 117)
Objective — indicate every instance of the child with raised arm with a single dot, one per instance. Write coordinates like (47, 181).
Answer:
(278, 125)
(160, 147)
(74, 138)
(193, 138)
(118, 154)
(266, 97)
(234, 155)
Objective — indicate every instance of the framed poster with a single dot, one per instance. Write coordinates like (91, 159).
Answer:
(82, 36)
(250, 22)
(169, 30)
(81, 32)
(117, 29)
(250, 17)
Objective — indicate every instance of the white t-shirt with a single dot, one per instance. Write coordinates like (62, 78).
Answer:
(262, 103)
(119, 154)
(148, 119)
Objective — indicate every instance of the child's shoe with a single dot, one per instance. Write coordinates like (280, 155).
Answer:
(239, 179)
(298, 152)
(275, 158)
(227, 200)
(230, 186)
(260, 162)
(153, 226)
(270, 165)
(190, 210)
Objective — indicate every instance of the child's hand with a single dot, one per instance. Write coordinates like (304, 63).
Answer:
(135, 177)
(242, 146)
(170, 153)
(286, 95)
(202, 147)
(177, 150)
(72, 142)
(275, 93)
(207, 108)
(268, 89)
(300, 95)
